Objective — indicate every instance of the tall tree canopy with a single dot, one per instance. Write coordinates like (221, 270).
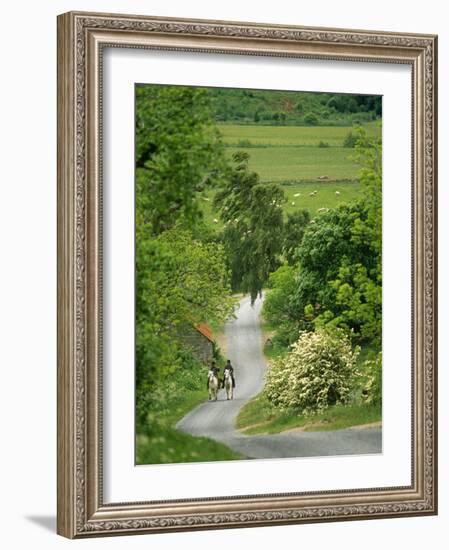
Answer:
(253, 234)
(178, 153)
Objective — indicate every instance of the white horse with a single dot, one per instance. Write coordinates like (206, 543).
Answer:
(228, 384)
(212, 385)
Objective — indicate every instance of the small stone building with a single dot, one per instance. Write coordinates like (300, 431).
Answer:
(200, 340)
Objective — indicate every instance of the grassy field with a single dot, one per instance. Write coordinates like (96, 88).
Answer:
(293, 153)
(272, 136)
(329, 195)
(286, 164)
(290, 156)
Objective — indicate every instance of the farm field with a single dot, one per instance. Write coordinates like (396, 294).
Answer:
(292, 153)
(258, 134)
(290, 156)
(285, 164)
(329, 195)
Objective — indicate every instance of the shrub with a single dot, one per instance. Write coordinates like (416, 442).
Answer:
(244, 143)
(372, 391)
(319, 371)
(350, 140)
(311, 119)
(323, 144)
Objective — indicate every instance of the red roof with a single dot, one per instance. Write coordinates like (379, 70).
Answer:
(205, 330)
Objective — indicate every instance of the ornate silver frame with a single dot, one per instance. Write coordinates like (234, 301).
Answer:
(81, 510)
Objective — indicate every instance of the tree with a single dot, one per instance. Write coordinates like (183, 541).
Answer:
(178, 153)
(311, 119)
(181, 282)
(325, 245)
(181, 277)
(278, 308)
(253, 233)
(358, 285)
(295, 227)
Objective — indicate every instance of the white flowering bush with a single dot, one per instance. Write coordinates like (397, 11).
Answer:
(320, 370)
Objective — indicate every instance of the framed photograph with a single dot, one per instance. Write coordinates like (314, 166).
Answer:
(246, 274)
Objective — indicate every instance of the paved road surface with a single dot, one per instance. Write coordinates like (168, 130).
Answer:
(216, 419)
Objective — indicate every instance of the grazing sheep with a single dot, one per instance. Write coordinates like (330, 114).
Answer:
(337, 192)
(293, 203)
(323, 177)
(297, 195)
(215, 220)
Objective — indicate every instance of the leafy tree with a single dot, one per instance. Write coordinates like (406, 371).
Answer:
(181, 282)
(326, 243)
(253, 233)
(178, 153)
(350, 140)
(358, 285)
(311, 119)
(181, 274)
(295, 227)
(278, 308)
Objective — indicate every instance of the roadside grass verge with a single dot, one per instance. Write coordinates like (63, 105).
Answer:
(163, 444)
(260, 417)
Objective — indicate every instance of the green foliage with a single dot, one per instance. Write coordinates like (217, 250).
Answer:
(178, 153)
(319, 371)
(181, 275)
(295, 227)
(372, 391)
(311, 119)
(350, 140)
(358, 283)
(323, 144)
(253, 233)
(326, 243)
(181, 281)
(278, 309)
(289, 107)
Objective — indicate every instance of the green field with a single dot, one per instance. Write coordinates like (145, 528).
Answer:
(298, 196)
(290, 156)
(290, 135)
(284, 164)
(292, 153)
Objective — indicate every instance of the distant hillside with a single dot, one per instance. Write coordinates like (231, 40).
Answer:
(243, 106)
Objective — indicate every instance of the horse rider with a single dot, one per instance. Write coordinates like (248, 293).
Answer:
(216, 371)
(230, 368)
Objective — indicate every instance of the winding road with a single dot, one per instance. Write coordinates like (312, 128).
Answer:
(216, 419)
